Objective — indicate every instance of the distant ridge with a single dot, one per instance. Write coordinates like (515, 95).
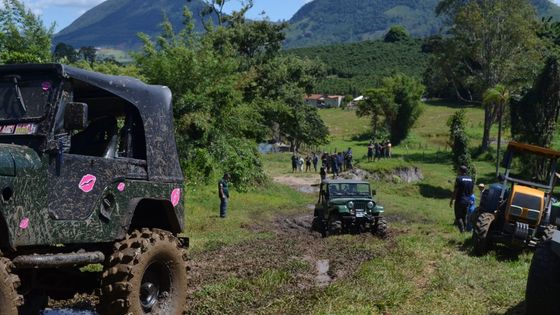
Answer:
(323, 22)
(116, 23)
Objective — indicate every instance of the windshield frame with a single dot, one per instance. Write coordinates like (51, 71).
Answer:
(55, 85)
(346, 194)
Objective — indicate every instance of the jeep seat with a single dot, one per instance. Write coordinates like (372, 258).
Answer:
(95, 139)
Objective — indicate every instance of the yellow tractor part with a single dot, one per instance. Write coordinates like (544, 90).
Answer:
(526, 205)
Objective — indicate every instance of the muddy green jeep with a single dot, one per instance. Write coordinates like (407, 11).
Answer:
(89, 177)
(347, 206)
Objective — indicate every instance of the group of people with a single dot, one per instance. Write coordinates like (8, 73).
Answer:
(334, 163)
(378, 150)
(298, 163)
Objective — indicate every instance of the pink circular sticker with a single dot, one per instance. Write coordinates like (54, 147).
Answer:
(24, 224)
(175, 196)
(46, 86)
(121, 187)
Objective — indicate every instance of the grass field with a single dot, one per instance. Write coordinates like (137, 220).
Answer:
(424, 267)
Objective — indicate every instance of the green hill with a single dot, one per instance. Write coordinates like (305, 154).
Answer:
(323, 22)
(352, 68)
(116, 23)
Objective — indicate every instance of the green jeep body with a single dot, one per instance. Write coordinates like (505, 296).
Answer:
(347, 205)
(85, 160)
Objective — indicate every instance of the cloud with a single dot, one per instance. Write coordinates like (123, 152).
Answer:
(38, 6)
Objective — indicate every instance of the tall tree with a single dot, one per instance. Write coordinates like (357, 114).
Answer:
(66, 52)
(534, 118)
(490, 42)
(399, 101)
(498, 98)
(459, 142)
(23, 36)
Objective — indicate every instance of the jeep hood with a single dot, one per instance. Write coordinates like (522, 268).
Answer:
(17, 160)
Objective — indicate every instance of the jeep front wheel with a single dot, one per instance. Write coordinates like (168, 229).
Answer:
(379, 228)
(10, 300)
(146, 274)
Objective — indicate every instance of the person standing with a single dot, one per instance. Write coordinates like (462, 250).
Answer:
(370, 151)
(389, 148)
(294, 163)
(315, 161)
(223, 193)
(334, 165)
(325, 162)
(462, 197)
(307, 164)
(300, 164)
(349, 159)
(323, 174)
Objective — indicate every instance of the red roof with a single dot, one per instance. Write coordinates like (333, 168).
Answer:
(314, 97)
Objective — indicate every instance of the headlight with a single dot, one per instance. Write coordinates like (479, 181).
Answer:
(370, 205)
(350, 205)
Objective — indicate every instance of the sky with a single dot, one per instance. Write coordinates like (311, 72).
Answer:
(64, 12)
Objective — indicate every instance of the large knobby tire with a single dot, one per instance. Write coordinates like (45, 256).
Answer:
(10, 300)
(543, 283)
(480, 233)
(379, 228)
(146, 274)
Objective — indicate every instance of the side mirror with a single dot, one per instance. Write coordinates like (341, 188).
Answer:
(373, 192)
(75, 116)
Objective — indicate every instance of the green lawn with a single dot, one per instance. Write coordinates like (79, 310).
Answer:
(426, 267)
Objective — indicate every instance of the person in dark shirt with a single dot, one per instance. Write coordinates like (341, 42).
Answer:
(315, 160)
(294, 163)
(223, 193)
(462, 197)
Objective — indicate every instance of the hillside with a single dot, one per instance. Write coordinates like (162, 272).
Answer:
(323, 22)
(353, 68)
(116, 23)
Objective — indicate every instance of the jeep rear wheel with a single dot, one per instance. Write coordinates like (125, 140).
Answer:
(146, 274)
(544, 282)
(480, 233)
(10, 300)
(379, 228)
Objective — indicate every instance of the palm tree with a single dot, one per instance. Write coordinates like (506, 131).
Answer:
(498, 96)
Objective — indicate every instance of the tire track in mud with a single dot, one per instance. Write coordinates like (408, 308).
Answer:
(325, 259)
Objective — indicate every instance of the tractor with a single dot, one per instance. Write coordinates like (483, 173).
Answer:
(519, 211)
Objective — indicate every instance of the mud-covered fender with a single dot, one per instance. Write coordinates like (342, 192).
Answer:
(150, 213)
(342, 209)
(378, 209)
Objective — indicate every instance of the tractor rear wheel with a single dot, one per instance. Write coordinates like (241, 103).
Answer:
(10, 300)
(480, 233)
(146, 274)
(544, 282)
(379, 228)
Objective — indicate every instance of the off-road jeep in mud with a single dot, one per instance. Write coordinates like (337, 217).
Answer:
(348, 206)
(89, 176)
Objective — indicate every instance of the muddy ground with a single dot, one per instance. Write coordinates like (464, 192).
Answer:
(286, 244)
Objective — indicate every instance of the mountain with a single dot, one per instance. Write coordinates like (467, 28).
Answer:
(323, 22)
(116, 23)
